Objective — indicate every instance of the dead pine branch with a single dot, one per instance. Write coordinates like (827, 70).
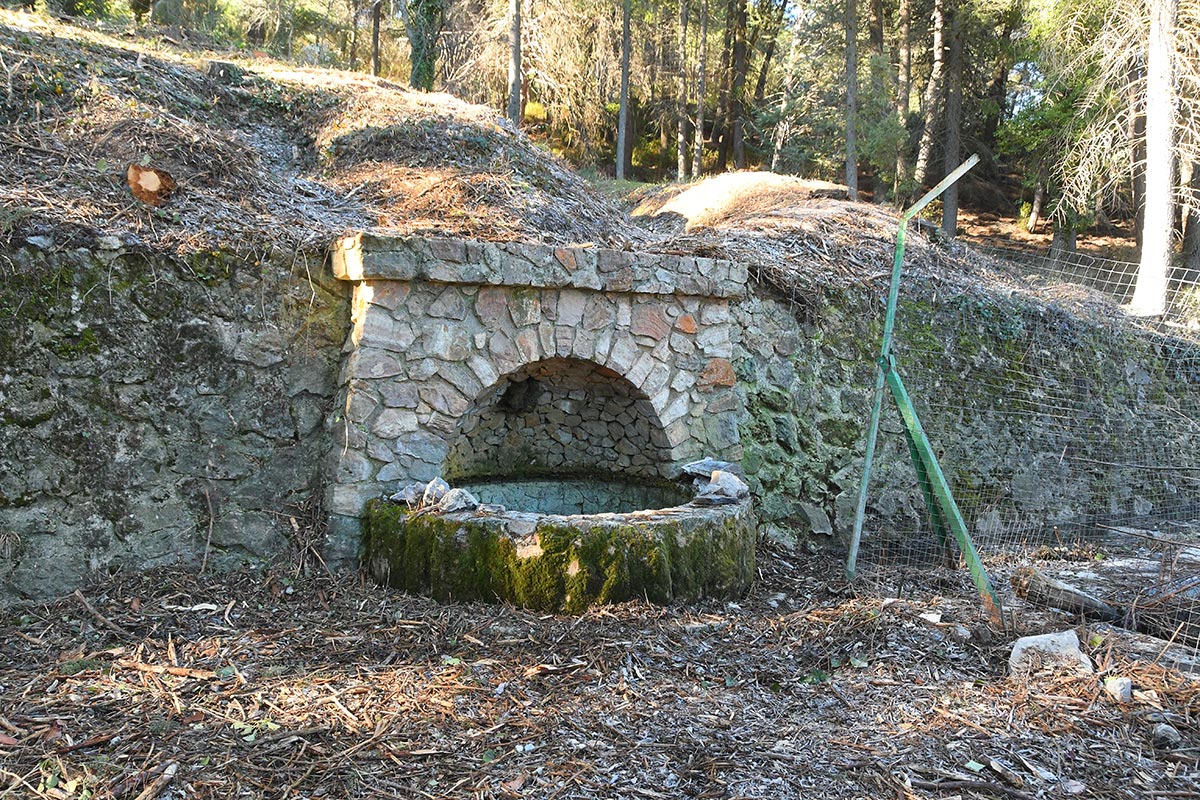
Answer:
(161, 782)
(975, 786)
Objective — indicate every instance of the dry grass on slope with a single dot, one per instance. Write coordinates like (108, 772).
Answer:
(277, 157)
(803, 230)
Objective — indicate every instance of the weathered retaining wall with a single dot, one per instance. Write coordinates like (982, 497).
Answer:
(152, 407)
(1034, 411)
(145, 400)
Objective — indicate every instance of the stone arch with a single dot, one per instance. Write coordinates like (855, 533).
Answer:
(438, 325)
(559, 415)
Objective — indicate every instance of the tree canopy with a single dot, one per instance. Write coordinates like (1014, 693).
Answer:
(1083, 110)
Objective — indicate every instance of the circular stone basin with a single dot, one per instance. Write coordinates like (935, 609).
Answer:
(541, 558)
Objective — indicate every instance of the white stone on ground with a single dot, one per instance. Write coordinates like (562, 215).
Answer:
(435, 490)
(1061, 649)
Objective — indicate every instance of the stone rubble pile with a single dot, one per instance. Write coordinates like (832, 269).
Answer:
(437, 497)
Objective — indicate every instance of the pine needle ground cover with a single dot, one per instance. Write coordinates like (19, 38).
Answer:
(261, 685)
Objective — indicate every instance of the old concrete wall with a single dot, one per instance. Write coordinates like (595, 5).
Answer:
(151, 407)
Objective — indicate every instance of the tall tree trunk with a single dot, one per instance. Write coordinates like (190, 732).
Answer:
(1137, 135)
(701, 88)
(737, 88)
(515, 77)
(782, 129)
(660, 94)
(879, 84)
(772, 35)
(681, 141)
(354, 11)
(997, 89)
(1191, 232)
(376, 21)
(953, 124)
(1150, 291)
(423, 22)
(932, 98)
(1035, 209)
(903, 69)
(851, 22)
(623, 115)
(1063, 242)
(722, 121)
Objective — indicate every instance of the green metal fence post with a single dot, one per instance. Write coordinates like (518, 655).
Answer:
(885, 354)
(941, 489)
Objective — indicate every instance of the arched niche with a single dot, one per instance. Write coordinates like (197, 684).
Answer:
(558, 417)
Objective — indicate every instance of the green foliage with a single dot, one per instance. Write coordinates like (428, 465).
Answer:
(94, 9)
(209, 16)
(426, 19)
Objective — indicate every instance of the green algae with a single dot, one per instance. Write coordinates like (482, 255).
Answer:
(562, 566)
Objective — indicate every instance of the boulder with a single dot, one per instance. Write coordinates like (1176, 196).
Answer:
(456, 500)
(722, 488)
(409, 495)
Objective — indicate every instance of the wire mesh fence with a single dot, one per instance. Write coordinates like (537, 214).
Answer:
(1069, 434)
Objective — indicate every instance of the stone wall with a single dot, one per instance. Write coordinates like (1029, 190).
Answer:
(559, 416)
(477, 359)
(1038, 415)
(154, 408)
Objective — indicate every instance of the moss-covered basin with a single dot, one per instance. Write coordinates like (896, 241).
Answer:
(564, 563)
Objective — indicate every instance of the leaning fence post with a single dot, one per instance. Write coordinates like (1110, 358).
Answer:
(885, 354)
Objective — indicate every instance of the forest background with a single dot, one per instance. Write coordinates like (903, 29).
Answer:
(1086, 112)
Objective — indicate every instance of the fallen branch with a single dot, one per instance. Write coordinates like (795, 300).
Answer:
(159, 783)
(103, 620)
(977, 786)
(162, 669)
(1032, 585)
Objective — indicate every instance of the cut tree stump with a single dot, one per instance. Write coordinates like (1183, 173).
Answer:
(151, 186)
(225, 72)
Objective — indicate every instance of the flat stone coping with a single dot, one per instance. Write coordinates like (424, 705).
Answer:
(520, 524)
(377, 257)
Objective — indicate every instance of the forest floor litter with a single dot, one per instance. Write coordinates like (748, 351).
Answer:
(265, 684)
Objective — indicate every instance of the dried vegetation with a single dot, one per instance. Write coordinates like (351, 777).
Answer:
(272, 157)
(264, 685)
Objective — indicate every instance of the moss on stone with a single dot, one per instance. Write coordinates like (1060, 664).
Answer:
(566, 567)
(81, 344)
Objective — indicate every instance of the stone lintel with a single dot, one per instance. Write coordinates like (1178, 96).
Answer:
(372, 256)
